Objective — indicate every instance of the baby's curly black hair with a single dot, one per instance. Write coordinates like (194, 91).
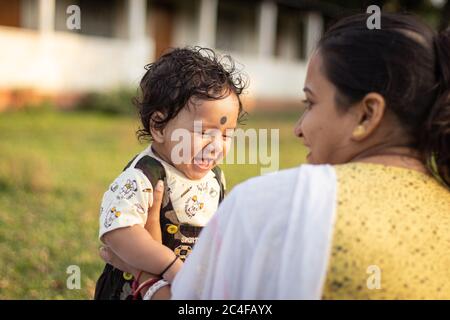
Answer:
(180, 75)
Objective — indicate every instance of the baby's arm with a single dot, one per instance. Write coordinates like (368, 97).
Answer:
(137, 247)
(124, 219)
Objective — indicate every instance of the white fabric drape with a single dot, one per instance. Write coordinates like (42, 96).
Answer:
(270, 239)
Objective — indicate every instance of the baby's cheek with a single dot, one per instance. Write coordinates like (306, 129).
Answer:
(197, 143)
(226, 146)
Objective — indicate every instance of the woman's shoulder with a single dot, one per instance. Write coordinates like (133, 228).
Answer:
(380, 185)
(387, 176)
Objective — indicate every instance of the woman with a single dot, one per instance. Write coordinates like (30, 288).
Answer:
(369, 216)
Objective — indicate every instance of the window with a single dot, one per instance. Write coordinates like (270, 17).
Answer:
(236, 26)
(290, 34)
(103, 18)
(19, 13)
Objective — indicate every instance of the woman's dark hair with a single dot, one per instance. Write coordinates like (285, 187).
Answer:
(409, 65)
(177, 77)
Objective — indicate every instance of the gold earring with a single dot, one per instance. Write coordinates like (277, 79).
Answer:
(359, 131)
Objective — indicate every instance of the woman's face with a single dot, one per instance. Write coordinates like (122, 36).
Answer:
(326, 131)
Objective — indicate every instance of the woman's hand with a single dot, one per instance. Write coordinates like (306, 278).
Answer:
(153, 225)
(110, 257)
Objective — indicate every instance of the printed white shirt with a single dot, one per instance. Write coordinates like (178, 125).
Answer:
(128, 198)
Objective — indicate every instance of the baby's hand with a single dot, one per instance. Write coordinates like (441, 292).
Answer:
(153, 223)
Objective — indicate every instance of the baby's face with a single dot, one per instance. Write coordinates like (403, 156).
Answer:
(199, 136)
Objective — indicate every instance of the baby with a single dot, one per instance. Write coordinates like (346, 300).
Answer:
(189, 107)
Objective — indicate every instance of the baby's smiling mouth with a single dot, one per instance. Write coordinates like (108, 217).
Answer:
(204, 163)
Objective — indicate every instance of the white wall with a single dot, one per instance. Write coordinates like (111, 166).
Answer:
(271, 78)
(63, 61)
(186, 24)
(69, 62)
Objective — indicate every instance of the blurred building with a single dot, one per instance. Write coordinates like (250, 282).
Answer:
(40, 56)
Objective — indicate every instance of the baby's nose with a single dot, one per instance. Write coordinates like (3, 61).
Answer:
(215, 147)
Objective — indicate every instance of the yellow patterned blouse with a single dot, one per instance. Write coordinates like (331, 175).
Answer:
(391, 237)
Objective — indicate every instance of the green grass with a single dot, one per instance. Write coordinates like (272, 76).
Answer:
(54, 168)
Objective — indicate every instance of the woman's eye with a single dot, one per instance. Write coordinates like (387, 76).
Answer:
(308, 104)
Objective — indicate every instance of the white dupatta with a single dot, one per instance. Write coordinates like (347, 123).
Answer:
(270, 239)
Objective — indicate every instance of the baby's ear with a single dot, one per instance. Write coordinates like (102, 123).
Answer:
(157, 133)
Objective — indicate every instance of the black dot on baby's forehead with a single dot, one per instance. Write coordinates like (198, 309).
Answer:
(223, 120)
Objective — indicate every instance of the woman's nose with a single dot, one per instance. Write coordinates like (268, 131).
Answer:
(298, 129)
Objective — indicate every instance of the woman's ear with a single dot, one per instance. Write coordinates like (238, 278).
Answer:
(157, 133)
(371, 111)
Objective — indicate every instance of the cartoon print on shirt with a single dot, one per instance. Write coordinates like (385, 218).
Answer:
(114, 187)
(126, 291)
(112, 215)
(186, 240)
(186, 192)
(183, 251)
(202, 187)
(128, 190)
(139, 208)
(172, 181)
(192, 206)
(213, 193)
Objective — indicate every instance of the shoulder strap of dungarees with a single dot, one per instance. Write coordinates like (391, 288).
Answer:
(218, 175)
(152, 168)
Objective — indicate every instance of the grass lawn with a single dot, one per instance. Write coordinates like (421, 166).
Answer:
(54, 168)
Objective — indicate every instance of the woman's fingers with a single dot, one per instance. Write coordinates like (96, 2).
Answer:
(157, 199)
(110, 257)
(152, 224)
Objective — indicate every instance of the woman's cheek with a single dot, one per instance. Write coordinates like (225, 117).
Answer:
(312, 124)
(305, 127)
